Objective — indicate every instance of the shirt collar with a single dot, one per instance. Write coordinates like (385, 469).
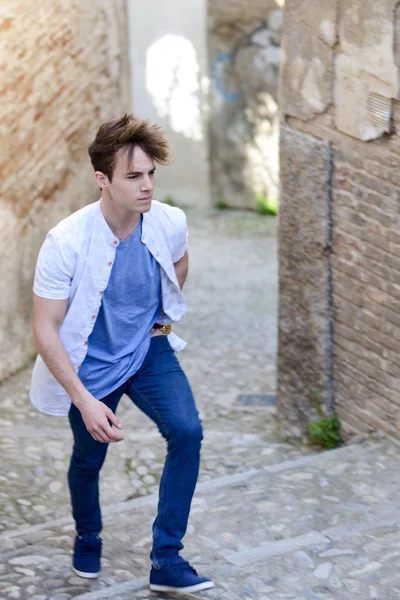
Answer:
(109, 235)
(105, 228)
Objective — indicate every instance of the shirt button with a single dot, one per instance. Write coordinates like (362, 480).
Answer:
(80, 367)
(86, 343)
(110, 263)
(115, 242)
(93, 317)
(101, 293)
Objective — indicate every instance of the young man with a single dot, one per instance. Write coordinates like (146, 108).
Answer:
(107, 287)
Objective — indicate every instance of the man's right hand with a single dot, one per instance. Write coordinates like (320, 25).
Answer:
(96, 416)
(48, 315)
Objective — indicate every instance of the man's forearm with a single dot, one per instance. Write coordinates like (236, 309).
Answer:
(54, 355)
(181, 269)
(96, 415)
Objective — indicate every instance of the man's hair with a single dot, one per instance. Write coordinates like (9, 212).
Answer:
(127, 131)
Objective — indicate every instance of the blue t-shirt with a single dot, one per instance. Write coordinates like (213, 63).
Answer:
(130, 306)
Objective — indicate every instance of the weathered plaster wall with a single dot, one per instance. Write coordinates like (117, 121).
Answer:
(307, 74)
(168, 50)
(365, 63)
(244, 53)
(333, 61)
(63, 71)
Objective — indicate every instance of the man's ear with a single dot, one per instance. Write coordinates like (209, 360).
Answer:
(102, 179)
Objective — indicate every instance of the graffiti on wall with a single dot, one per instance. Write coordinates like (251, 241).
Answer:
(223, 77)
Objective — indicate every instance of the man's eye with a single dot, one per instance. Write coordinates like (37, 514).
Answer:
(132, 177)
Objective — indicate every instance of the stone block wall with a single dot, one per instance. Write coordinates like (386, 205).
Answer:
(63, 71)
(340, 328)
(244, 54)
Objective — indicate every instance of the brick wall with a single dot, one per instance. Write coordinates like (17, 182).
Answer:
(366, 286)
(63, 70)
(359, 376)
(364, 266)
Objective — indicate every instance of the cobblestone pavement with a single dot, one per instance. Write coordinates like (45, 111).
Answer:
(269, 520)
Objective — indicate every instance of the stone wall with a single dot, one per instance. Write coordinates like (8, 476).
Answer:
(64, 71)
(304, 364)
(244, 54)
(339, 317)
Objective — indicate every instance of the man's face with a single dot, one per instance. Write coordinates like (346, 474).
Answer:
(132, 183)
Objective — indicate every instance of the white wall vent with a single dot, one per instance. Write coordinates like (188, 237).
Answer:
(379, 111)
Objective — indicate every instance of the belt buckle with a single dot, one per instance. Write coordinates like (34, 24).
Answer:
(166, 329)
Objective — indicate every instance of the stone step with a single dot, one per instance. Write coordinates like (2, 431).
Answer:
(300, 525)
(204, 487)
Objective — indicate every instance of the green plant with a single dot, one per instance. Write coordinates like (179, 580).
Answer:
(221, 204)
(169, 200)
(326, 431)
(267, 205)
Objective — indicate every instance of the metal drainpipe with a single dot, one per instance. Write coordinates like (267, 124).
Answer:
(328, 264)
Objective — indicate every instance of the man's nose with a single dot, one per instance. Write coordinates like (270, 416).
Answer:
(146, 184)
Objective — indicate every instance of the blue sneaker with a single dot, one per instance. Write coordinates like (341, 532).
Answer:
(87, 553)
(179, 577)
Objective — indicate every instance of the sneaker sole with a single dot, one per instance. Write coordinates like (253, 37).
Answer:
(85, 575)
(206, 585)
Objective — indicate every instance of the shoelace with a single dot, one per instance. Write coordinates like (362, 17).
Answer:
(179, 568)
(189, 567)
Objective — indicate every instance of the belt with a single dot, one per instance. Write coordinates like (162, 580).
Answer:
(165, 329)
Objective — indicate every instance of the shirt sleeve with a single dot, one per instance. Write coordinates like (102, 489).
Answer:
(180, 238)
(53, 273)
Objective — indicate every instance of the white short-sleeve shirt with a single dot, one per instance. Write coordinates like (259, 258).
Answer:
(75, 262)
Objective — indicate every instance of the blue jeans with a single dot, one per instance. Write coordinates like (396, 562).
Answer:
(160, 389)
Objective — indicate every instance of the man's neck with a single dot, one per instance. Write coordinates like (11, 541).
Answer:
(122, 223)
